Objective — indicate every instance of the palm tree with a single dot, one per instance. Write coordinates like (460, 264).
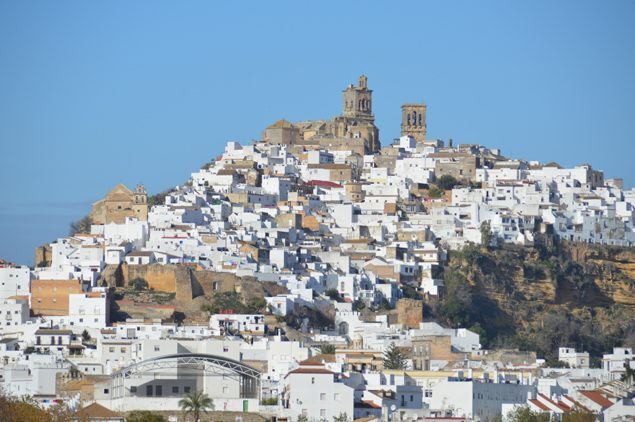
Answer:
(194, 402)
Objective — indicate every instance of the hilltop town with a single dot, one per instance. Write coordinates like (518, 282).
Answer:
(322, 274)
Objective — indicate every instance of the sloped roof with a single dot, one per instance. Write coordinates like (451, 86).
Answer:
(281, 124)
(96, 411)
(597, 398)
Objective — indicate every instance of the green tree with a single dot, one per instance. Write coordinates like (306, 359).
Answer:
(195, 402)
(327, 349)
(629, 375)
(434, 192)
(482, 333)
(394, 358)
(525, 414)
(159, 198)
(256, 305)
(486, 234)
(80, 226)
(578, 415)
(138, 283)
(224, 301)
(333, 294)
(85, 335)
(303, 418)
(447, 182)
(555, 363)
(358, 305)
(144, 416)
(457, 302)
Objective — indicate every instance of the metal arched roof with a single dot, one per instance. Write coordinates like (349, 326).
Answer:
(213, 363)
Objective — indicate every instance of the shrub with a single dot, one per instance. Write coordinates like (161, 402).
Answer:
(138, 283)
(446, 182)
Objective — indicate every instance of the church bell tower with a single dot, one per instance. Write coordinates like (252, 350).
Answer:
(358, 100)
(413, 121)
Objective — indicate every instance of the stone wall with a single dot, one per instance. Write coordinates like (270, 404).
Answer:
(410, 312)
(159, 277)
(43, 253)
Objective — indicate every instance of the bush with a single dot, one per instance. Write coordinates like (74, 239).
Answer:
(80, 226)
(327, 349)
(333, 294)
(230, 301)
(138, 284)
(446, 182)
(144, 416)
(271, 401)
(434, 192)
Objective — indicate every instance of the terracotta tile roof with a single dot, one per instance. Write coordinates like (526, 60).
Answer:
(323, 184)
(597, 398)
(333, 166)
(539, 405)
(576, 404)
(553, 403)
(50, 331)
(305, 370)
(96, 411)
(369, 404)
(281, 124)
(318, 360)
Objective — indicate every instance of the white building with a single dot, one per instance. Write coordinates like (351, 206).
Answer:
(14, 281)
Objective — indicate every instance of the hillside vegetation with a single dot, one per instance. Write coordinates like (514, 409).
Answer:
(539, 298)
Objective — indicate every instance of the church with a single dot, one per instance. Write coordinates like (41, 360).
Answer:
(353, 130)
(120, 203)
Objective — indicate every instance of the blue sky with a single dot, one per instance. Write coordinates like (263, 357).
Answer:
(97, 93)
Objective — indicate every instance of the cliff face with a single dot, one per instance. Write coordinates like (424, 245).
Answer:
(543, 297)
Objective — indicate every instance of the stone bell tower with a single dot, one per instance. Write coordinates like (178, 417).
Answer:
(413, 121)
(358, 100)
(140, 203)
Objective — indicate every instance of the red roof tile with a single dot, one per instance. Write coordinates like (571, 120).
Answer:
(597, 398)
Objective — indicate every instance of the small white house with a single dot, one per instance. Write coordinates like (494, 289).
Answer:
(140, 258)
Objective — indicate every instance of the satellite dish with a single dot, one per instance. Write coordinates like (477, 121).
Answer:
(393, 407)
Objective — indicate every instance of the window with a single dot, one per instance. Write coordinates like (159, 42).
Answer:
(133, 389)
(156, 348)
(322, 413)
(159, 390)
(225, 389)
(106, 391)
(123, 350)
(175, 389)
(149, 390)
(186, 389)
(336, 396)
(322, 396)
(111, 349)
(312, 380)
